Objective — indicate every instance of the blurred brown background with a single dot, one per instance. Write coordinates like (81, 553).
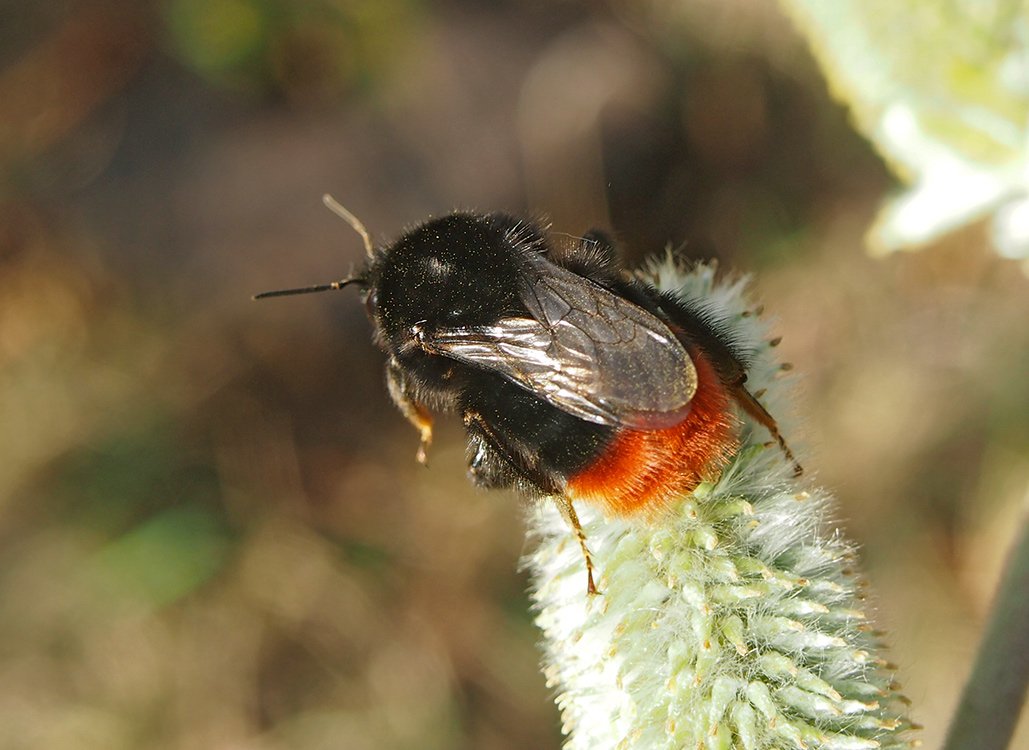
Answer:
(214, 533)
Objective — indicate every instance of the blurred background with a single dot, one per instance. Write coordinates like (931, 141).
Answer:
(213, 532)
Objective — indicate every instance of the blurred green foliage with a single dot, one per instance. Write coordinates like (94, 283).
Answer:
(163, 559)
(320, 49)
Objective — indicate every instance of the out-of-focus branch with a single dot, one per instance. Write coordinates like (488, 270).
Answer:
(995, 693)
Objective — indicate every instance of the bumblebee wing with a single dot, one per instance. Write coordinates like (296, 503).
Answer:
(586, 350)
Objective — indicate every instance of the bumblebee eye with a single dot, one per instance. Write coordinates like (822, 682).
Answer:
(371, 302)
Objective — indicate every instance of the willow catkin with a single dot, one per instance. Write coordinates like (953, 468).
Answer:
(735, 619)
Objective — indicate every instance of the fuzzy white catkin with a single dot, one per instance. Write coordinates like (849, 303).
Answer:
(734, 620)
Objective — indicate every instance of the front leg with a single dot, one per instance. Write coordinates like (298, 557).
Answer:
(416, 413)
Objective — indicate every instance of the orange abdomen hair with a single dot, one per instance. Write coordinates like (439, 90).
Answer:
(643, 470)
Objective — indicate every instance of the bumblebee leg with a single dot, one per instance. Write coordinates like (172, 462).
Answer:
(594, 256)
(533, 480)
(416, 413)
(489, 438)
(568, 511)
(603, 244)
(754, 408)
(487, 467)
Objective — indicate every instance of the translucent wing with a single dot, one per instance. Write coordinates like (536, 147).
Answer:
(584, 349)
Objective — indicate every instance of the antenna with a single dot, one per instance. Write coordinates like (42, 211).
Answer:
(333, 205)
(311, 289)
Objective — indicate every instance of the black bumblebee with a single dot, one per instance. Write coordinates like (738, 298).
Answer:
(574, 380)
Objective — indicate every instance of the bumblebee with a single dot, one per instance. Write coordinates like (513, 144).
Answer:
(574, 379)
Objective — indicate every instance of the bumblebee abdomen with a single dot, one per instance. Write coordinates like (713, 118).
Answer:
(644, 470)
